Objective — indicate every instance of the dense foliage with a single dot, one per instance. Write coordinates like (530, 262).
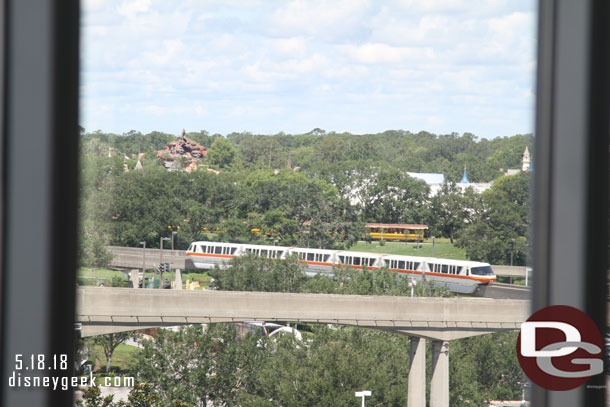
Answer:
(312, 190)
(198, 366)
(253, 273)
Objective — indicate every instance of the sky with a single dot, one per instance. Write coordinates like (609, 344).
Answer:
(361, 66)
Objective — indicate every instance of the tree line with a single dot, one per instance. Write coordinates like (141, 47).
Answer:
(342, 181)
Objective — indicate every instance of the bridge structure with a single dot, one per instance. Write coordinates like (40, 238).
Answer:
(440, 320)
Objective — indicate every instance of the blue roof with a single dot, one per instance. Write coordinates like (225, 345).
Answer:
(464, 179)
(428, 177)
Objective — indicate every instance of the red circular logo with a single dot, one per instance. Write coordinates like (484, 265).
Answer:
(560, 348)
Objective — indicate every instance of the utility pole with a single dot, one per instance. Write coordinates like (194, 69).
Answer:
(143, 261)
(161, 260)
(363, 394)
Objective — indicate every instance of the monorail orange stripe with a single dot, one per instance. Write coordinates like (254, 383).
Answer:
(482, 279)
(315, 263)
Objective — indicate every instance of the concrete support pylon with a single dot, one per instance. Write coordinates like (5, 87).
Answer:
(416, 396)
(178, 280)
(134, 278)
(439, 383)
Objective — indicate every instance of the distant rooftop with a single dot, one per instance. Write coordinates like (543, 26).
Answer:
(429, 177)
(465, 179)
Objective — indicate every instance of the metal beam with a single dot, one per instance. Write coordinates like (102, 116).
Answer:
(571, 176)
(40, 106)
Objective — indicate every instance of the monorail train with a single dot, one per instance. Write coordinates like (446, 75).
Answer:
(458, 276)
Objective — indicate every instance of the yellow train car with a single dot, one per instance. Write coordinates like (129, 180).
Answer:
(397, 231)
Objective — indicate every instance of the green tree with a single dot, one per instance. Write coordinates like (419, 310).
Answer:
(254, 273)
(450, 210)
(389, 195)
(221, 153)
(142, 395)
(109, 343)
(195, 367)
(499, 230)
(484, 368)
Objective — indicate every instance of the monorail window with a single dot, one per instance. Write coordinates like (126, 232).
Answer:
(218, 250)
(280, 253)
(416, 266)
(326, 257)
(481, 271)
(444, 269)
(263, 253)
(201, 249)
(233, 250)
(341, 259)
(356, 261)
(401, 265)
(310, 257)
(458, 269)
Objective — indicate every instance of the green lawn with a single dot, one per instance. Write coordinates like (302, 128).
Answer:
(442, 249)
(96, 276)
(122, 357)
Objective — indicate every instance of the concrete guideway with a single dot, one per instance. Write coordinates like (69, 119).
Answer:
(132, 257)
(106, 310)
(99, 309)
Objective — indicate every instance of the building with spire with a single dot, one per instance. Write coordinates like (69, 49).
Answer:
(526, 161)
(477, 187)
(526, 164)
(465, 178)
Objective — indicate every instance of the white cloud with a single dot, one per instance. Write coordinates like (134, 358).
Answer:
(376, 53)
(131, 8)
(318, 63)
(290, 47)
(328, 19)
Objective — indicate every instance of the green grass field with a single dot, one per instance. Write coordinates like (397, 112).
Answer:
(442, 249)
(96, 276)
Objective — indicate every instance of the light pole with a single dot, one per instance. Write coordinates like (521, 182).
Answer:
(412, 284)
(433, 246)
(512, 249)
(173, 234)
(161, 260)
(143, 260)
(363, 394)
